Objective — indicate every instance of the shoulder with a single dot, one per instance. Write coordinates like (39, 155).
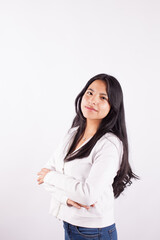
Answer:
(109, 146)
(110, 140)
(67, 135)
(70, 133)
(72, 130)
(113, 139)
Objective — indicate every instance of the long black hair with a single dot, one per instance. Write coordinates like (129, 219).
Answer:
(114, 122)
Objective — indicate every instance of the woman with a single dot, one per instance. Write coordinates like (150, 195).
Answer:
(90, 167)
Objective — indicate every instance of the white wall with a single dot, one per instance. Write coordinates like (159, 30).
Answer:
(48, 51)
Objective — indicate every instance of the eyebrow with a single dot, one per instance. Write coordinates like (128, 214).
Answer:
(100, 93)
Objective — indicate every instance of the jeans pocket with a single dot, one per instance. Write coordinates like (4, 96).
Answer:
(88, 232)
(113, 233)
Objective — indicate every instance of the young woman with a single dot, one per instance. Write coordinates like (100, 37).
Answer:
(90, 167)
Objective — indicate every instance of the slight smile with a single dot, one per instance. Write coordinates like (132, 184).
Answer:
(91, 108)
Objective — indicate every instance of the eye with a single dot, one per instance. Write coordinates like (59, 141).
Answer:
(104, 98)
(89, 92)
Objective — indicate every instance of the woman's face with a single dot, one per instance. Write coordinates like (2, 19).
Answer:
(94, 104)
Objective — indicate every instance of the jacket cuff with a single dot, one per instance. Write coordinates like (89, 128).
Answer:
(48, 176)
(64, 200)
(58, 194)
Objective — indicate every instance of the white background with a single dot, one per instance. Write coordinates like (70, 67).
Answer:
(48, 51)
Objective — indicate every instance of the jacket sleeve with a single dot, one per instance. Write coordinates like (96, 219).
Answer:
(57, 193)
(105, 165)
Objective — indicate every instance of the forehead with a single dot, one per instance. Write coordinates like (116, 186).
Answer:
(99, 86)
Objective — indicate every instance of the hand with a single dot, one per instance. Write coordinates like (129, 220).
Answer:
(78, 205)
(42, 174)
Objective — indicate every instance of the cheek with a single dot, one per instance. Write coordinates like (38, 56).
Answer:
(84, 100)
(105, 108)
(82, 103)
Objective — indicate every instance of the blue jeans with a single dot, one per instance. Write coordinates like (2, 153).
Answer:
(73, 232)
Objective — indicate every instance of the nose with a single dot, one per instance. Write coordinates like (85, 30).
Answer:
(93, 100)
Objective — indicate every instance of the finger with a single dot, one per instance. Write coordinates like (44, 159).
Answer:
(39, 173)
(87, 207)
(40, 178)
(74, 204)
(45, 170)
(93, 205)
(77, 205)
(40, 181)
(84, 205)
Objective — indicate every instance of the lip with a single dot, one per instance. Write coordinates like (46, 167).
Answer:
(90, 108)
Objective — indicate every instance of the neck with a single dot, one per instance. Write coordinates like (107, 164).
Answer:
(91, 127)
